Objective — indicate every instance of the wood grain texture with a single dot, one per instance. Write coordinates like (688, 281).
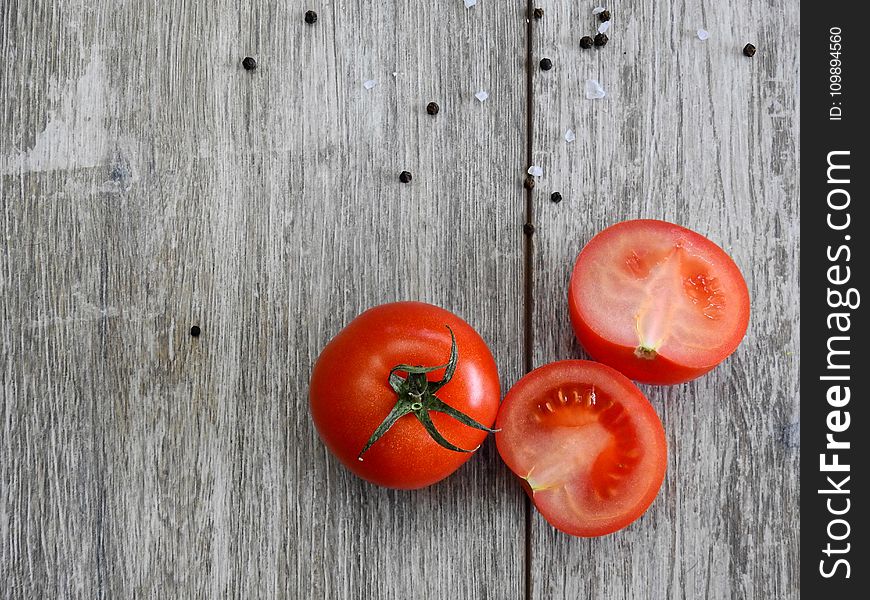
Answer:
(147, 184)
(696, 133)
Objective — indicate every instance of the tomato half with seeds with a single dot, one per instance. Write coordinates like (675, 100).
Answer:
(404, 394)
(586, 443)
(658, 302)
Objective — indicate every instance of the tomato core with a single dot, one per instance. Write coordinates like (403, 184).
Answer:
(590, 430)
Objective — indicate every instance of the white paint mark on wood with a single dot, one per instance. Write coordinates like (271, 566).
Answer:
(75, 135)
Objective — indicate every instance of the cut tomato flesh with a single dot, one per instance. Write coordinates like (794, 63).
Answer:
(661, 290)
(587, 443)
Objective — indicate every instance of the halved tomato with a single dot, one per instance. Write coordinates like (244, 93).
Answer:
(658, 302)
(586, 442)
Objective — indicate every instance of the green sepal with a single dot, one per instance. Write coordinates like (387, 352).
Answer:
(399, 410)
(451, 365)
(439, 405)
(416, 394)
(426, 420)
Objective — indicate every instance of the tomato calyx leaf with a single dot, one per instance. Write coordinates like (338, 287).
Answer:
(416, 395)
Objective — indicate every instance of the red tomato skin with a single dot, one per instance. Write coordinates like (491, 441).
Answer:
(349, 393)
(644, 413)
(660, 370)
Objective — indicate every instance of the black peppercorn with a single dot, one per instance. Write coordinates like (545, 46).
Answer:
(528, 229)
(604, 15)
(555, 197)
(539, 13)
(529, 182)
(250, 63)
(546, 64)
(310, 17)
(586, 42)
(432, 108)
(195, 331)
(749, 50)
(405, 177)
(601, 39)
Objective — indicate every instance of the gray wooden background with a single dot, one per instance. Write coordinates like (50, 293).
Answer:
(148, 183)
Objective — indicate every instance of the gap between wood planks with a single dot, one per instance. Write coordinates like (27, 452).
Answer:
(528, 304)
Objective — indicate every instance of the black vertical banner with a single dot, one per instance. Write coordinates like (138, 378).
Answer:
(835, 347)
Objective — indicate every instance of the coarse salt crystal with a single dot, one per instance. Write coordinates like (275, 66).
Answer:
(535, 171)
(594, 90)
(481, 95)
(597, 10)
(604, 27)
(470, 3)
(370, 84)
(569, 136)
(703, 34)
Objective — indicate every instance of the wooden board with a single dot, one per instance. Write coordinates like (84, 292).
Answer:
(693, 132)
(149, 183)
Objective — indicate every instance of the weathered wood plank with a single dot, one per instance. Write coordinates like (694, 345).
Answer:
(149, 184)
(696, 133)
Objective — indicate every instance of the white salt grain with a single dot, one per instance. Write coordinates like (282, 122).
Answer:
(569, 136)
(481, 95)
(604, 27)
(370, 84)
(470, 3)
(535, 171)
(597, 10)
(594, 90)
(703, 34)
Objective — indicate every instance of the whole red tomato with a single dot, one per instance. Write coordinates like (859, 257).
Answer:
(404, 394)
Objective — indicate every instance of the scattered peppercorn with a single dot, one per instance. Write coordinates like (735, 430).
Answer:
(539, 13)
(432, 108)
(310, 17)
(749, 50)
(249, 63)
(528, 229)
(546, 64)
(195, 331)
(604, 15)
(529, 183)
(405, 177)
(586, 42)
(555, 197)
(601, 39)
